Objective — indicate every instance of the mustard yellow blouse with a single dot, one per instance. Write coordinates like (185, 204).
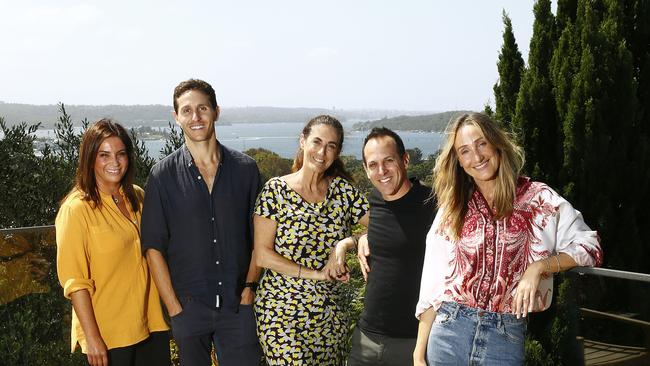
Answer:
(98, 249)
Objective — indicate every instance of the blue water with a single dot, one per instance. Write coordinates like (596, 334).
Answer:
(282, 138)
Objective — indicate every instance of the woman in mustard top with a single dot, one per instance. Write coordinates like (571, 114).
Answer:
(117, 318)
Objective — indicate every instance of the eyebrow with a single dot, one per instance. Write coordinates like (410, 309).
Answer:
(473, 142)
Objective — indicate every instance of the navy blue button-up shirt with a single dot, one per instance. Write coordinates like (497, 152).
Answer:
(205, 237)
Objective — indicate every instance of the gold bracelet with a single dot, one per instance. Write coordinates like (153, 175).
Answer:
(299, 269)
(548, 266)
(557, 259)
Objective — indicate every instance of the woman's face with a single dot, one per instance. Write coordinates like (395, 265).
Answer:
(111, 163)
(320, 148)
(478, 157)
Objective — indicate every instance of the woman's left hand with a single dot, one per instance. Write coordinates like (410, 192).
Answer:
(336, 266)
(526, 293)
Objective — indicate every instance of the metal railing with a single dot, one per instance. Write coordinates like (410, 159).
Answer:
(612, 273)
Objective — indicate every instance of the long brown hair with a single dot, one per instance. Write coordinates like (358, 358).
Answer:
(454, 187)
(337, 169)
(85, 180)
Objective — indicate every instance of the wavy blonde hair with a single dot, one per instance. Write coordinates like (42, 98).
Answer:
(454, 187)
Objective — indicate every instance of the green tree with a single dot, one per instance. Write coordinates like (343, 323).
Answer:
(173, 140)
(536, 122)
(511, 67)
(143, 161)
(270, 164)
(415, 155)
(19, 175)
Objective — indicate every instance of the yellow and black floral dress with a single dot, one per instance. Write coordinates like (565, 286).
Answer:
(299, 321)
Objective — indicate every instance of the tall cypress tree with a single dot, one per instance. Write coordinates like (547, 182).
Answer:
(510, 66)
(599, 126)
(566, 13)
(536, 120)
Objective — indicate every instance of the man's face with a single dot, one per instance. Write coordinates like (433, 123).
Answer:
(385, 168)
(196, 116)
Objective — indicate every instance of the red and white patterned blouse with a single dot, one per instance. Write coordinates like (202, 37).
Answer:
(482, 268)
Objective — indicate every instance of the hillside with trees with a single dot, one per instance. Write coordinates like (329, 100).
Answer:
(158, 115)
(436, 122)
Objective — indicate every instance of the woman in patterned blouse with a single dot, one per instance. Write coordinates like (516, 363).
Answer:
(495, 242)
(298, 220)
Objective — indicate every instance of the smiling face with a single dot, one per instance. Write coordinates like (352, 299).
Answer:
(476, 155)
(111, 164)
(196, 116)
(385, 168)
(320, 148)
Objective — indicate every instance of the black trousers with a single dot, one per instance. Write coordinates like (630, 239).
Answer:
(153, 351)
(234, 335)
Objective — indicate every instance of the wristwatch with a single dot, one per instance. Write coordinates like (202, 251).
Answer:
(252, 285)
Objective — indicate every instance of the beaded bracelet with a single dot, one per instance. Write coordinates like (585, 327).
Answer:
(299, 269)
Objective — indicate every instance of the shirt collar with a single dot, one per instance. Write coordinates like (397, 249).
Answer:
(188, 160)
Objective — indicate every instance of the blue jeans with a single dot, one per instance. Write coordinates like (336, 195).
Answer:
(461, 335)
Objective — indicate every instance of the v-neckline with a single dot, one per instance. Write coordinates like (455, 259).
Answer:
(108, 198)
(302, 199)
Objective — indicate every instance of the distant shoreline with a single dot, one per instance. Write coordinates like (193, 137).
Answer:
(161, 115)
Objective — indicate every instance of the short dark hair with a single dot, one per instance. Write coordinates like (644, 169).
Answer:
(378, 132)
(194, 84)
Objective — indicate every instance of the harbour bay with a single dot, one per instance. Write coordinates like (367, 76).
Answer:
(282, 138)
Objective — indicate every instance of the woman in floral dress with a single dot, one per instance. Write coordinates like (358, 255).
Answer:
(299, 218)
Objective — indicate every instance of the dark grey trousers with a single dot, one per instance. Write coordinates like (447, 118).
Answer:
(379, 350)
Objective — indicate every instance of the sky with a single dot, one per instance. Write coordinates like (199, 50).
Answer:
(346, 54)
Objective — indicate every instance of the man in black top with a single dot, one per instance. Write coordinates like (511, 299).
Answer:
(401, 213)
(197, 236)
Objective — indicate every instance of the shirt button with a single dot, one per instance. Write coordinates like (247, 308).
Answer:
(214, 240)
(217, 262)
(219, 283)
(199, 177)
(212, 218)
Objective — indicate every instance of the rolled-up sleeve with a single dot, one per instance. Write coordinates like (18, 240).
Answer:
(72, 261)
(574, 237)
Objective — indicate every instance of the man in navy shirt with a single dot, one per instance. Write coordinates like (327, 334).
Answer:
(401, 213)
(197, 236)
